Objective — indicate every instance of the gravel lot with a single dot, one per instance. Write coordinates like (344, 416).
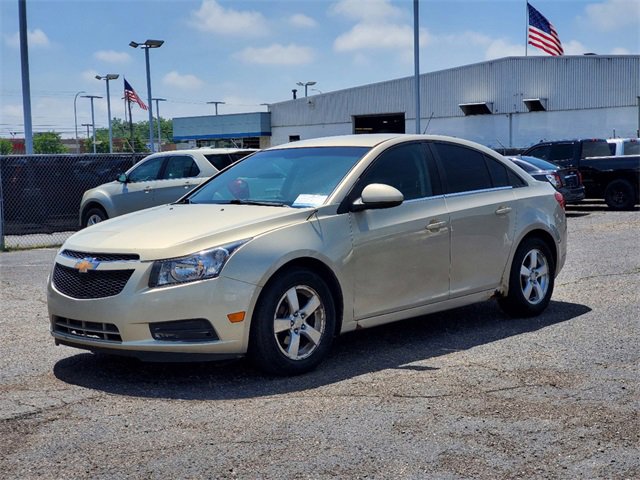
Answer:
(463, 394)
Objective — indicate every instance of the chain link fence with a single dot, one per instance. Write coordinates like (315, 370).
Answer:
(40, 194)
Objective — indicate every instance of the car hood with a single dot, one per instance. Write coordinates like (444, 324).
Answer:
(175, 230)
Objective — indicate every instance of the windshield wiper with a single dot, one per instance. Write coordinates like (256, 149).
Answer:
(266, 203)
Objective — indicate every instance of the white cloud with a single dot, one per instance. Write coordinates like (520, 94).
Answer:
(613, 14)
(174, 79)
(574, 47)
(302, 21)
(89, 75)
(214, 18)
(375, 36)
(276, 54)
(498, 48)
(620, 51)
(111, 56)
(35, 38)
(365, 10)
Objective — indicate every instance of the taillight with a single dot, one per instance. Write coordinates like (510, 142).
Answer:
(579, 177)
(560, 199)
(554, 179)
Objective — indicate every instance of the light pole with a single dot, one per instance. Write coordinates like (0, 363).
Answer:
(306, 85)
(107, 77)
(75, 118)
(158, 100)
(87, 125)
(93, 121)
(216, 105)
(146, 46)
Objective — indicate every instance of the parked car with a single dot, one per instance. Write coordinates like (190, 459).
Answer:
(615, 179)
(157, 179)
(297, 243)
(568, 181)
(624, 146)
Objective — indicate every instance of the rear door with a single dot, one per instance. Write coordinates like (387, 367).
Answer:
(482, 209)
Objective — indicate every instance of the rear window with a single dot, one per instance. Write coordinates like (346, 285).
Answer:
(219, 160)
(595, 148)
(631, 148)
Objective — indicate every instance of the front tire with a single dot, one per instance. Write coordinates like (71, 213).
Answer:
(94, 215)
(531, 280)
(293, 324)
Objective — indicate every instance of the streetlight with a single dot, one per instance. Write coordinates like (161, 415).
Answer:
(305, 85)
(87, 125)
(216, 104)
(146, 46)
(107, 77)
(93, 121)
(158, 100)
(75, 118)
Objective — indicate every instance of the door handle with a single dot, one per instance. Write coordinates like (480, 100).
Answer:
(147, 189)
(503, 210)
(434, 226)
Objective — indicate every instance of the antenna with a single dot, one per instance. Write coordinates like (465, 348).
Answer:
(428, 122)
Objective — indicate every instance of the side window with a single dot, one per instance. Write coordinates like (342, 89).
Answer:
(180, 166)
(149, 170)
(540, 152)
(561, 151)
(498, 172)
(404, 168)
(219, 160)
(465, 169)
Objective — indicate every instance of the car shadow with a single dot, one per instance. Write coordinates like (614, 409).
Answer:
(589, 206)
(393, 346)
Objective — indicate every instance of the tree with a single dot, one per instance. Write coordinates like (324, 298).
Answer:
(48, 142)
(6, 147)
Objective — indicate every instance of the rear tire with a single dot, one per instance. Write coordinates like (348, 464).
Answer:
(531, 280)
(620, 195)
(293, 325)
(94, 215)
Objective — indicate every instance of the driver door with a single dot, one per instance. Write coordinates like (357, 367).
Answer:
(401, 254)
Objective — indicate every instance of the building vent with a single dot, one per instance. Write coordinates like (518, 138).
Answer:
(535, 104)
(478, 108)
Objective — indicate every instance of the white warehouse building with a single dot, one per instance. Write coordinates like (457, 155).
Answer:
(509, 102)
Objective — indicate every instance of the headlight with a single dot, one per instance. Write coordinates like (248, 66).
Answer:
(199, 266)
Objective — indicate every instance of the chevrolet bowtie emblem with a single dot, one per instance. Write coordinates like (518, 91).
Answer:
(86, 264)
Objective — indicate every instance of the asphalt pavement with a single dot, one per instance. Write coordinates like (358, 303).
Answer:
(468, 393)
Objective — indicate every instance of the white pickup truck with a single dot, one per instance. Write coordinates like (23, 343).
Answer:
(624, 146)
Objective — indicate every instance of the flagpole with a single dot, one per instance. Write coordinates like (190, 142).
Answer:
(526, 28)
(133, 143)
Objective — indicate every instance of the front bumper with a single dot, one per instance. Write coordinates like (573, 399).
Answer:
(131, 312)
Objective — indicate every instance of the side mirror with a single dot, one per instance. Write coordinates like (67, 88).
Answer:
(377, 196)
(122, 178)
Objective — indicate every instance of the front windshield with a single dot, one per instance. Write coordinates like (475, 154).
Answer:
(294, 177)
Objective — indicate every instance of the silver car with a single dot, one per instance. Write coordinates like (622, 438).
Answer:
(155, 180)
(295, 244)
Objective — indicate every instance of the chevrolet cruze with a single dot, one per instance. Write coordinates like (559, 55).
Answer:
(279, 253)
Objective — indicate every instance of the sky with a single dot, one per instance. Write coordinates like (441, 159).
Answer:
(251, 53)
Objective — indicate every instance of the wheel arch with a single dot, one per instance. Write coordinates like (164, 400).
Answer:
(88, 206)
(327, 275)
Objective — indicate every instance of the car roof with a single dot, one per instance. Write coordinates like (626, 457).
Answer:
(374, 139)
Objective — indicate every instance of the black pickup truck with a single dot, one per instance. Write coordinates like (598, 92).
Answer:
(616, 179)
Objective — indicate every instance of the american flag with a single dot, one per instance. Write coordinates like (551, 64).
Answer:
(542, 33)
(131, 95)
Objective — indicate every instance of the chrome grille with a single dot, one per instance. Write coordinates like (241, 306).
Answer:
(101, 257)
(92, 284)
(90, 330)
